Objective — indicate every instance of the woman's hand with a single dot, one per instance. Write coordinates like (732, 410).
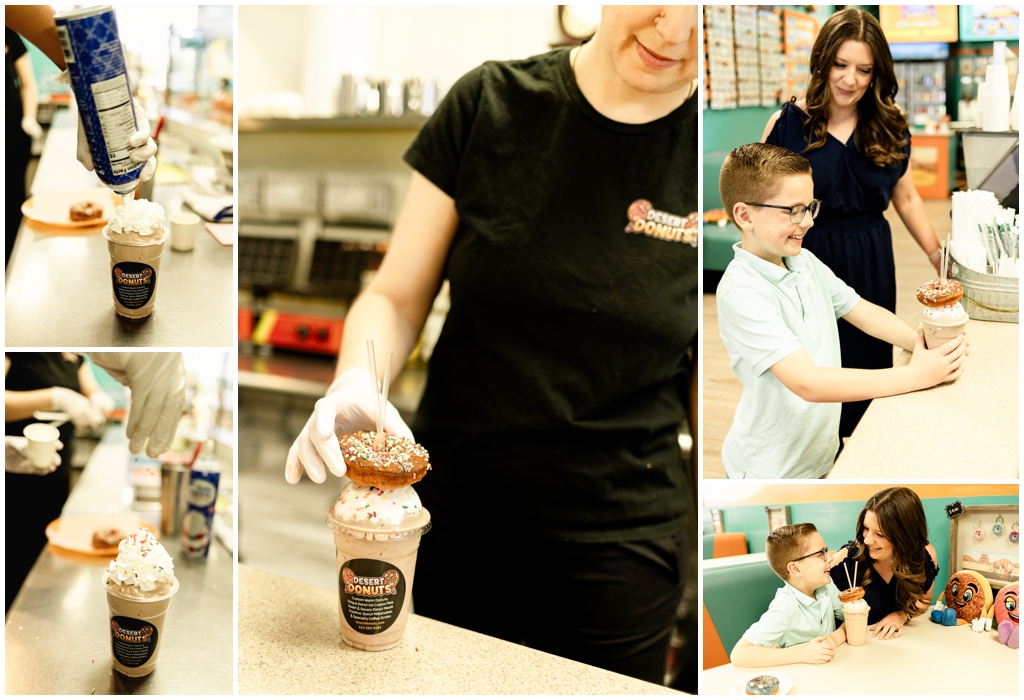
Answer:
(838, 558)
(890, 626)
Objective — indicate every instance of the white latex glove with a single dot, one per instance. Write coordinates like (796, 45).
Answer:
(348, 407)
(31, 127)
(157, 381)
(144, 147)
(16, 457)
(104, 403)
(80, 410)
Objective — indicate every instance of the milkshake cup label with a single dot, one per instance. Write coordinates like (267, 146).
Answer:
(134, 284)
(372, 594)
(133, 642)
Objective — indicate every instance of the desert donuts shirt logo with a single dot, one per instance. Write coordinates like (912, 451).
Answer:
(645, 219)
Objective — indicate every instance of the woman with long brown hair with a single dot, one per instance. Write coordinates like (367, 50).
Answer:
(896, 564)
(857, 140)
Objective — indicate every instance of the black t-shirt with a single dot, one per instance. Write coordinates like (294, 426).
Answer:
(560, 377)
(14, 48)
(41, 370)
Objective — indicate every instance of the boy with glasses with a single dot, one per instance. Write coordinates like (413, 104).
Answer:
(800, 624)
(778, 311)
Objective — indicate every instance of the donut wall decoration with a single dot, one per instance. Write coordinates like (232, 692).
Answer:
(970, 595)
(1006, 604)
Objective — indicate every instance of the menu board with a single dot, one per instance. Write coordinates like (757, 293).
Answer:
(744, 60)
(799, 30)
(914, 23)
(990, 22)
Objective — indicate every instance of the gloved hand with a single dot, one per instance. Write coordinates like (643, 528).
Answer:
(80, 410)
(16, 457)
(31, 127)
(103, 403)
(347, 407)
(144, 147)
(157, 381)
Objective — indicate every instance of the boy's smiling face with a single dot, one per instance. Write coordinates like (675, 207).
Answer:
(810, 571)
(767, 232)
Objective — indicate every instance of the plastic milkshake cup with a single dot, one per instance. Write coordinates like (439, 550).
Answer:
(937, 332)
(136, 236)
(856, 615)
(376, 540)
(139, 587)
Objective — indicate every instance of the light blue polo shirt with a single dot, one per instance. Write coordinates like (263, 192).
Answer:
(766, 313)
(794, 618)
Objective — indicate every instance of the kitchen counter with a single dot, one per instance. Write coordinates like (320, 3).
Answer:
(970, 426)
(57, 641)
(975, 664)
(58, 281)
(289, 641)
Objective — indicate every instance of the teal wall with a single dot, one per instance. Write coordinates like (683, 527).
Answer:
(837, 523)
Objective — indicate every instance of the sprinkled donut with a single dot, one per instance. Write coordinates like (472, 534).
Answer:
(940, 293)
(851, 594)
(763, 685)
(399, 463)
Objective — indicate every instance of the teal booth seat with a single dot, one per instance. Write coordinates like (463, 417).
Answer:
(737, 595)
(717, 240)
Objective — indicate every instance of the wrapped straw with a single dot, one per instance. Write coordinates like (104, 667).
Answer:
(378, 442)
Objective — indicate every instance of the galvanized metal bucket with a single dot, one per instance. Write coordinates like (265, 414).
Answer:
(988, 297)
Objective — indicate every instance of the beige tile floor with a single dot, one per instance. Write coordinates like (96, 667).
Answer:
(721, 388)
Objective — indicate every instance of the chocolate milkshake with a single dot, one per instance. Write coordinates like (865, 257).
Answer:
(376, 537)
(855, 613)
(139, 586)
(135, 237)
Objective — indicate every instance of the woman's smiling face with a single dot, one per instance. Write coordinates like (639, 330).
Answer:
(879, 548)
(653, 48)
(851, 73)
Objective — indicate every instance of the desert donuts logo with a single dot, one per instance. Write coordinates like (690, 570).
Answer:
(133, 279)
(372, 586)
(645, 219)
(141, 636)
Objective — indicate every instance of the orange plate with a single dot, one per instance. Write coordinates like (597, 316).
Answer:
(54, 208)
(51, 531)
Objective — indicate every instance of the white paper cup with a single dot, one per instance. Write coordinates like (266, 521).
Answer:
(184, 226)
(42, 444)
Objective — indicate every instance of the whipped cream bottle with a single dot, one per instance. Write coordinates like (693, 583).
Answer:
(197, 527)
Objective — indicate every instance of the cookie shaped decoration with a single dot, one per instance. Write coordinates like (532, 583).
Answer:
(970, 594)
(1006, 604)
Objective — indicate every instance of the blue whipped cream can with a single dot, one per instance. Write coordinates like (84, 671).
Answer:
(92, 49)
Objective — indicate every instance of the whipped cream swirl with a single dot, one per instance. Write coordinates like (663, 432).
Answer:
(142, 217)
(951, 313)
(141, 561)
(368, 506)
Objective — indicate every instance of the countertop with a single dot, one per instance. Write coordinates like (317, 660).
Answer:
(58, 282)
(971, 424)
(975, 664)
(289, 641)
(56, 634)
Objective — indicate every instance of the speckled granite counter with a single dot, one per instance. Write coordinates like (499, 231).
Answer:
(978, 413)
(289, 641)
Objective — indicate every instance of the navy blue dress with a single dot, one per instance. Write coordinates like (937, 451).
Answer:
(850, 235)
(881, 596)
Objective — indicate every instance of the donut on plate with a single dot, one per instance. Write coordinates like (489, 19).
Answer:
(85, 211)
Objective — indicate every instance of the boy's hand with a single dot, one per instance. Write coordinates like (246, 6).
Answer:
(819, 651)
(942, 364)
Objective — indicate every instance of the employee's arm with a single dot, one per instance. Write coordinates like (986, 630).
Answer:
(87, 380)
(393, 309)
(35, 23)
(814, 384)
(882, 324)
(29, 91)
(818, 651)
(911, 209)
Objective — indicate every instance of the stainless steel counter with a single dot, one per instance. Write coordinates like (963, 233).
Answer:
(57, 640)
(58, 284)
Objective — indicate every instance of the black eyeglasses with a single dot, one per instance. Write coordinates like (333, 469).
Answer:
(823, 553)
(796, 212)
